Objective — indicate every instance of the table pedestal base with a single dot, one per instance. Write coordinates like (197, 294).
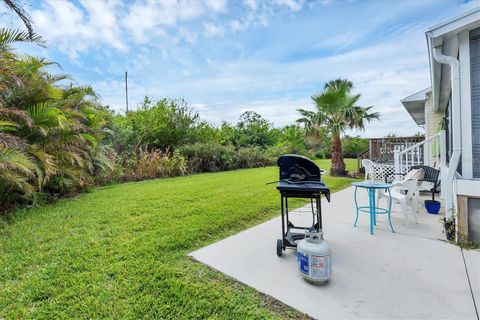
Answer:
(372, 209)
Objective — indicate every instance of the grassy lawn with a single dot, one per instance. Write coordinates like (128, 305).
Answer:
(121, 251)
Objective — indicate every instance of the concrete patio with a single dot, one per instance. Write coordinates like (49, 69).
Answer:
(407, 274)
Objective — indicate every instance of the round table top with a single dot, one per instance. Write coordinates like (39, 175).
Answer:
(372, 185)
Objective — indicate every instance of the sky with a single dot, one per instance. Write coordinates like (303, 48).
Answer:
(225, 57)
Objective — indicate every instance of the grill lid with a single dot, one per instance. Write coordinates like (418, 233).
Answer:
(300, 177)
(297, 168)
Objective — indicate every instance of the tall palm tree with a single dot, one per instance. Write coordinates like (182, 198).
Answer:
(337, 110)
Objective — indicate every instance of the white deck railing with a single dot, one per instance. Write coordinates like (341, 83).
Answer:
(430, 152)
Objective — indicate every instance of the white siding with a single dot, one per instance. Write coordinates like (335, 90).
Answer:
(432, 127)
(432, 119)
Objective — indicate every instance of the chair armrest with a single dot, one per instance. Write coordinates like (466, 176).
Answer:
(426, 185)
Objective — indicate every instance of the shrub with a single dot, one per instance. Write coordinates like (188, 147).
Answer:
(163, 124)
(253, 130)
(278, 150)
(213, 157)
(176, 165)
(353, 146)
(251, 158)
(107, 167)
(155, 163)
(208, 157)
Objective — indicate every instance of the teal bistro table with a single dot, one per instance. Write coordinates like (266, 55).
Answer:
(372, 208)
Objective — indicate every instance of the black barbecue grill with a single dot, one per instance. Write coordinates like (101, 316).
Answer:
(299, 178)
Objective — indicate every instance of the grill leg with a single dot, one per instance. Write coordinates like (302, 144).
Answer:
(287, 222)
(283, 219)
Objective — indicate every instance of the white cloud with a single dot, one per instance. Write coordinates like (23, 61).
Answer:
(187, 35)
(260, 12)
(252, 4)
(189, 9)
(216, 5)
(293, 5)
(102, 18)
(235, 25)
(143, 19)
(342, 40)
(74, 29)
(212, 30)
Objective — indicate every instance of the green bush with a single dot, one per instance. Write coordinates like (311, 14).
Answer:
(213, 157)
(157, 164)
(252, 157)
(352, 146)
(163, 124)
(208, 157)
(108, 167)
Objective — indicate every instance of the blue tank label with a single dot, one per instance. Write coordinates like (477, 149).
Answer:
(302, 261)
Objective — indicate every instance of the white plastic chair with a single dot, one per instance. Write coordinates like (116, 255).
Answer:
(370, 173)
(405, 193)
(368, 165)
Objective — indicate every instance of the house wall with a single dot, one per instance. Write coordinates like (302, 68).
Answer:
(432, 119)
(467, 188)
(432, 127)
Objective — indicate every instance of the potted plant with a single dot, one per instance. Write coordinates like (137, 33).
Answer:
(432, 206)
(449, 227)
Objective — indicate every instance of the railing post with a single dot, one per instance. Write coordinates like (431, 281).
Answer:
(427, 153)
(443, 161)
(396, 162)
(412, 158)
(370, 149)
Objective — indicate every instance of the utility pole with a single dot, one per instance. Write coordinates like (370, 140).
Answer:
(126, 90)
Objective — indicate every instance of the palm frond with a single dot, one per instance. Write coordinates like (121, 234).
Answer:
(11, 140)
(8, 126)
(16, 171)
(9, 114)
(53, 78)
(11, 36)
(12, 180)
(90, 139)
(16, 7)
(47, 162)
(44, 117)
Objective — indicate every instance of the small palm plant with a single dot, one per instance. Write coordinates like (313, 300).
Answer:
(337, 109)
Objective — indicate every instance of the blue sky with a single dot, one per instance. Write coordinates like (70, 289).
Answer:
(228, 56)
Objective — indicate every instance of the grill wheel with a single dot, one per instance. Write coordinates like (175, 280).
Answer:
(279, 247)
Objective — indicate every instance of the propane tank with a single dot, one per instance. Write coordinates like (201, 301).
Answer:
(314, 257)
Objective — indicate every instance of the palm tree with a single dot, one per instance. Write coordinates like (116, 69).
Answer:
(337, 110)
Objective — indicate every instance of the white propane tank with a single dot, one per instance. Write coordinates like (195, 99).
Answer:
(314, 257)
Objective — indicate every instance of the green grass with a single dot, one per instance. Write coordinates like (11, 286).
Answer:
(121, 251)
